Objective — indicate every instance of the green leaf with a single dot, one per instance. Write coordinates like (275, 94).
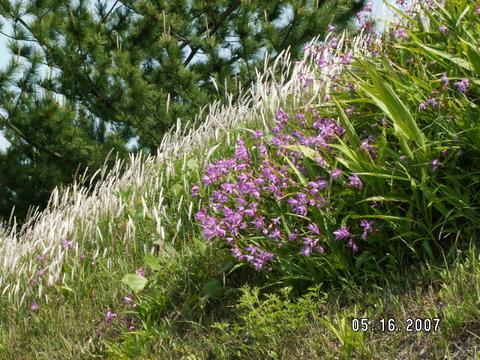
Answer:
(177, 189)
(462, 15)
(427, 248)
(65, 289)
(306, 151)
(460, 62)
(152, 261)
(135, 282)
(192, 164)
(473, 56)
(297, 172)
(382, 146)
(388, 101)
(349, 129)
(385, 176)
(213, 288)
(383, 198)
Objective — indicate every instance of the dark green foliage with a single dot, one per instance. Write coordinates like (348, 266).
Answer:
(92, 77)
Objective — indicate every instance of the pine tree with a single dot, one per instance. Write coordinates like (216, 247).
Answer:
(85, 78)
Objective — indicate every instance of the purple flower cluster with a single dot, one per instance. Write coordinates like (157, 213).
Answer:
(343, 233)
(311, 245)
(306, 79)
(355, 181)
(444, 80)
(367, 227)
(462, 85)
(402, 34)
(368, 147)
(215, 171)
(430, 102)
(347, 58)
(256, 198)
(67, 244)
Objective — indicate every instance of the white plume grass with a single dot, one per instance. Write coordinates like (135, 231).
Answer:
(76, 213)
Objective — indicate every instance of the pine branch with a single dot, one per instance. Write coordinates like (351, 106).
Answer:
(232, 7)
(5, 122)
(109, 11)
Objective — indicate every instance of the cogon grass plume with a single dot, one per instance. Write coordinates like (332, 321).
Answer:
(70, 225)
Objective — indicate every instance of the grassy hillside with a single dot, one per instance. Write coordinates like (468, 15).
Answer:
(341, 188)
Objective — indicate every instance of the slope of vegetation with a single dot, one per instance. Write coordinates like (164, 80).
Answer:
(346, 190)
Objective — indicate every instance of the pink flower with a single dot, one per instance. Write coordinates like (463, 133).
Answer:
(141, 271)
(40, 272)
(313, 229)
(402, 33)
(127, 299)
(355, 181)
(195, 191)
(443, 29)
(109, 316)
(257, 134)
(444, 80)
(350, 110)
(462, 85)
(281, 115)
(336, 173)
(35, 306)
(67, 244)
(342, 233)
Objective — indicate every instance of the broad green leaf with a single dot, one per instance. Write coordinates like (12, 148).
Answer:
(397, 110)
(427, 248)
(306, 151)
(462, 15)
(297, 172)
(152, 262)
(385, 176)
(383, 198)
(354, 162)
(212, 288)
(65, 289)
(473, 56)
(349, 129)
(456, 60)
(385, 217)
(382, 146)
(135, 282)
